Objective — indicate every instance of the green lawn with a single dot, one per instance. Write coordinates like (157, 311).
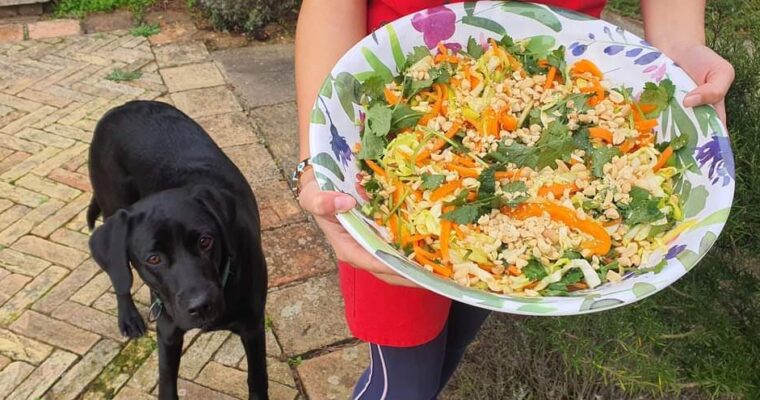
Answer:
(699, 339)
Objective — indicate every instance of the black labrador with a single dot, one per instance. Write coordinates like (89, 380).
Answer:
(183, 216)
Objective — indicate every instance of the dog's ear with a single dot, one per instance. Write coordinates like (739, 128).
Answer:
(221, 205)
(108, 245)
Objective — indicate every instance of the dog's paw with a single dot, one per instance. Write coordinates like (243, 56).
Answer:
(131, 323)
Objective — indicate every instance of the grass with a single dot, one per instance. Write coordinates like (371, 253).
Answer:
(118, 75)
(698, 339)
(80, 8)
(145, 30)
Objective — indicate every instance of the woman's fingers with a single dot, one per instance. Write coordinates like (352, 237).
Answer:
(324, 204)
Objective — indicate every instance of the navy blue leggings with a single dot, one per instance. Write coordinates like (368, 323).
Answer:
(420, 372)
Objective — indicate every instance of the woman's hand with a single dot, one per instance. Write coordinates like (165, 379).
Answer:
(712, 73)
(324, 206)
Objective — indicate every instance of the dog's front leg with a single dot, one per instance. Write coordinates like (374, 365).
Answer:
(170, 339)
(254, 342)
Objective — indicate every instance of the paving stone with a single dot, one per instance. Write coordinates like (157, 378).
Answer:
(89, 319)
(333, 375)
(207, 101)
(24, 225)
(4, 361)
(172, 55)
(48, 187)
(189, 390)
(128, 393)
(54, 162)
(29, 163)
(146, 376)
(21, 195)
(11, 284)
(12, 375)
(13, 308)
(50, 251)
(11, 215)
(71, 239)
(39, 381)
(11, 161)
(279, 126)
(56, 333)
(21, 263)
(254, 162)
(263, 75)
(11, 33)
(73, 179)
(93, 289)
(53, 28)
(277, 206)
(227, 380)
(305, 253)
(62, 216)
(80, 375)
(202, 349)
(22, 348)
(230, 129)
(192, 76)
(67, 287)
(231, 352)
(308, 316)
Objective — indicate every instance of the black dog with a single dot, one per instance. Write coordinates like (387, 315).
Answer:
(180, 212)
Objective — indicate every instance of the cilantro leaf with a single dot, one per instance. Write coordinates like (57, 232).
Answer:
(412, 87)
(440, 74)
(643, 208)
(534, 270)
(514, 187)
(372, 147)
(404, 117)
(555, 143)
(378, 122)
(658, 96)
(600, 156)
(560, 288)
(581, 140)
(656, 269)
(557, 60)
(466, 214)
(517, 153)
(373, 88)
(487, 181)
(474, 48)
(430, 181)
(417, 54)
(573, 255)
(460, 199)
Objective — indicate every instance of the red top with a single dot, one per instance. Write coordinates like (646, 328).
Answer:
(393, 315)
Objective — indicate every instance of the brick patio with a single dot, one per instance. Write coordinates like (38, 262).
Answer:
(58, 331)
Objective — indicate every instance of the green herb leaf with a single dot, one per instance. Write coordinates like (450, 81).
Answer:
(430, 181)
(378, 122)
(656, 269)
(657, 95)
(572, 255)
(516, 186)
(372, 147)
(460, 199)
(642, 209)
(487, 181)
(534, 271)
(517, 153)
(557, 59)
(474, 48)
(555, 143)
(373, 87)
(600, 156)
(412, 87)
(417, 54)
(404, 117)
(582, 141)
(466, 214)
(440, 74)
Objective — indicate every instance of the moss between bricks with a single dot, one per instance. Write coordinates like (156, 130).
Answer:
(131, 357)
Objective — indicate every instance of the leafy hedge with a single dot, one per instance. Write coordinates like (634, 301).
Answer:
(247, 15)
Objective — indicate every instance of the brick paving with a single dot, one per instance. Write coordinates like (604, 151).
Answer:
(58, 331)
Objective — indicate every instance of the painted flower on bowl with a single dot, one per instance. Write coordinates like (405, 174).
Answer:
(436, 24)
(721, 169)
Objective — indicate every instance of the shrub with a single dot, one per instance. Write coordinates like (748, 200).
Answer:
(247, 15)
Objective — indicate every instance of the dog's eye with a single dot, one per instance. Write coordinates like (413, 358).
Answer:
(206, 242)
(153, 260)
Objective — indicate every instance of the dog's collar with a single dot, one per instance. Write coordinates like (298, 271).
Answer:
(158, 306)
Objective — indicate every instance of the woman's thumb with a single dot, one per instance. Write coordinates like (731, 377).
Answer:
(329, 203)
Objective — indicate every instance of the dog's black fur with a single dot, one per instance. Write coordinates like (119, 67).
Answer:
(176, 209)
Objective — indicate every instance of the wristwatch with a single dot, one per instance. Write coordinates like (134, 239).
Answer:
(295, 177)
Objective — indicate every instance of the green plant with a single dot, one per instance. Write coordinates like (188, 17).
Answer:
(295, 361)
(80, 8)
(118, 75)
(145, 30)
(247, 15)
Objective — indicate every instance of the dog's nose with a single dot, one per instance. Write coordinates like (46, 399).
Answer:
(199, 306)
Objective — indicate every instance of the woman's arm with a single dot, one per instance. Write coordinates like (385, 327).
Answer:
(677, 27)
(326, 29)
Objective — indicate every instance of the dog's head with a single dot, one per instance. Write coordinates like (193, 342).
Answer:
(178, 241)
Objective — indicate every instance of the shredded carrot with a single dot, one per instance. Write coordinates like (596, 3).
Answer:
(393, 226)
(439, 88)
(398, 192)
(458, 231)
(597, 132)
(543, 63)
(442, 49)
(513, 270)
(558, 189)
(464, 171)
(444, 238)
(550, 77)
(439, 143)
(445, 190)
(419, 250)
(627, 146)
(465, 161)
(611, 223)
(664, 157)
(601, 243)
(404, 233)
(501, 175)
(645, 125)
(584, 66)
(373, 166)
(508, 121)
(490, 122)
(439, 269)
(418, 237)
(391, 97)
(472, 196)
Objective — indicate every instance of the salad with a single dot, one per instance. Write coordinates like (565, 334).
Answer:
(505, 168)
